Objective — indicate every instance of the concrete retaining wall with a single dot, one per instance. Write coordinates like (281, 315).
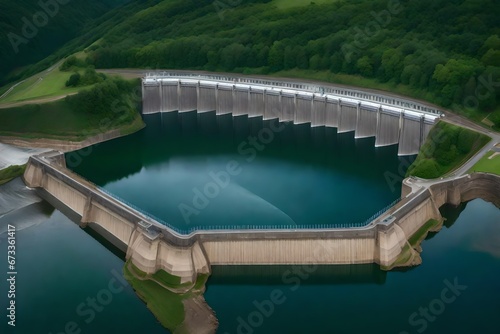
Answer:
(152, 246)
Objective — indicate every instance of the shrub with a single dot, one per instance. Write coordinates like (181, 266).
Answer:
(71, 63)
(74, 80)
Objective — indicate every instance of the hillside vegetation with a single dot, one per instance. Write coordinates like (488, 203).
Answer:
(110, 104)
(445, 51)
(33, 29)
(446, 147)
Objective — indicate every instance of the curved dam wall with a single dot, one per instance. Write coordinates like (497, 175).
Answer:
(390, 121)
(152, 246)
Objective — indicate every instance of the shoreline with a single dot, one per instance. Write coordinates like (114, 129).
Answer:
(67, 145)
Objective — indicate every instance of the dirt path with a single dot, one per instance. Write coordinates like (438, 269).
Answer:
(35, 101)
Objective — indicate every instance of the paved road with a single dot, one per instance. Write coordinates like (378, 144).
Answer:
(11, 88)
(468, 165)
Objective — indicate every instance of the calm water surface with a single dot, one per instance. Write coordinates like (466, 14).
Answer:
(60, 266)
(363, 299)
(60, 270)
(177, 170)
(303, 176)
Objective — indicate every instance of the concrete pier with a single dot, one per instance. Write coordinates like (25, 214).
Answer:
(389, 120)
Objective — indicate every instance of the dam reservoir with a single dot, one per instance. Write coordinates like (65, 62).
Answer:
(60, 266)
(203, 171)
(211, 171)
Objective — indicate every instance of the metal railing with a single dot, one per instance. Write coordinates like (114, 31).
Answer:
(340, 91)
(288, 227)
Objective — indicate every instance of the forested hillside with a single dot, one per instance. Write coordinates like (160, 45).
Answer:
(30, 30)
(446, 51)
(448, 48)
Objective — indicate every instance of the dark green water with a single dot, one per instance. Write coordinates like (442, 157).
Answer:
(363, 299)
(60, 266)
(61, 272)
(194, 170)
(303, 175)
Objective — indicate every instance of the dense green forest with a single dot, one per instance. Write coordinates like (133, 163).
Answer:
(445, 51)
(33, 29)
(450, 49)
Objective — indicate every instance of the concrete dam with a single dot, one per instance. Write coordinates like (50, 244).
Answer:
(152, 246)
(390, 120)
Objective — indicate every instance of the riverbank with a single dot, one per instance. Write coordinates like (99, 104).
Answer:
(11, 172)
(180, 312)
(70, 143)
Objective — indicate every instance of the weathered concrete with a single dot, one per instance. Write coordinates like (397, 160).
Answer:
(144, 246)
(152, 246)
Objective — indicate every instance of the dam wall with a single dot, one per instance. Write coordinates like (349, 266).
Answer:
(391, 121)
(152, 246)
(131, 231)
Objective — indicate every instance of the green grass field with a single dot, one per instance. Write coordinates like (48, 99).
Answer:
(48, 83)
(487, 165)
(44, 84)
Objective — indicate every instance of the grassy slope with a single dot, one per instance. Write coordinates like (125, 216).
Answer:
(10, 173)
(487, 165)
(447, 147)
(165, 305)
(57, 120)
(421, 234)
(169, 280)
(52, 84)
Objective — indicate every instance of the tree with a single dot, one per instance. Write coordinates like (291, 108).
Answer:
(492, 58)
(411, 75)
(365, 66)
(73, 80)
(290, 57)
(391, 64)
(276, 56)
